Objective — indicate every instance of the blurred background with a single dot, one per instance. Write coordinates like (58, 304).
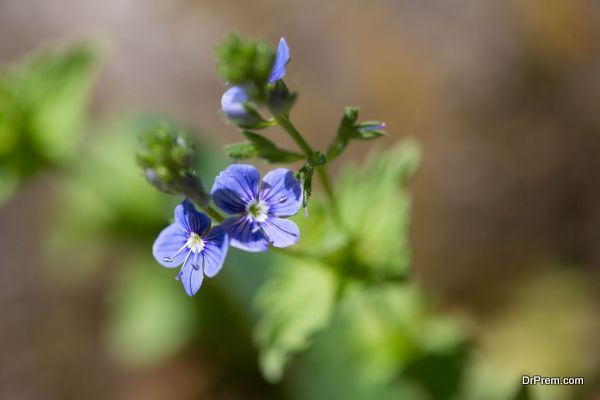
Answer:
(501, 96)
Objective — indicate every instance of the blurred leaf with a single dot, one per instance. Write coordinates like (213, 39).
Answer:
(241, 151)
(149, 316)
(43, 103)
(374, 348)
(376, 210)
(295, 303)
(44, 99)
(321, 235)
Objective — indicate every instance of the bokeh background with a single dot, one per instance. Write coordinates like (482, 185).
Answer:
(502, 97)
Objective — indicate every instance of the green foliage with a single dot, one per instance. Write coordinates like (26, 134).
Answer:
(260, 147)
(241, 151)
(364, 248)
(376, 211)
(295, 303)
(349, 130)
(242, 61)
(383, 343)
(147, 317)
(43, 103)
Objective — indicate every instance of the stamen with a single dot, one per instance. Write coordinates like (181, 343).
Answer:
(170, 259)
(283, 199)
(183, 266)
(257, 210)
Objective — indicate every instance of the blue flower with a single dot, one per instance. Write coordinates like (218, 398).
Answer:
(234, 98)
(191, 241)
(258, 207)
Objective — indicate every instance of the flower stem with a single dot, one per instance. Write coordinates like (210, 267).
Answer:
(201, 202)
(213, 213)
(285, 123)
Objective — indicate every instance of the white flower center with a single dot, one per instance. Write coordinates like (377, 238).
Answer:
(257, 210)
(195, 243)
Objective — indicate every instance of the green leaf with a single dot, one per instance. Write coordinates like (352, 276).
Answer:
(295, 303)
(268, 151)
(53, 90)
(349, 130)
(43, 105)
(260, 147)
(376, 211)
(376, 346)
(241, 151)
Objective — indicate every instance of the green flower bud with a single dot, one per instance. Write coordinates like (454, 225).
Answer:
(243, 61)
(168, 158)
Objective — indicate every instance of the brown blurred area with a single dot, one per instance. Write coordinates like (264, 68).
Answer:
(504, 98)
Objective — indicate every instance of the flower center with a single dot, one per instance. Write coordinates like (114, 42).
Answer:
(258, 210)
(195, 243)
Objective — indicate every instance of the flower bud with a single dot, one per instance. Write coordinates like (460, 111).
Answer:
(243, 61)
(168, 158)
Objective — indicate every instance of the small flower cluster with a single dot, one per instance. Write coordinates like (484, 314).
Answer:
(257, 210)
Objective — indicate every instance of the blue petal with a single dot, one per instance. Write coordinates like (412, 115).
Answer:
(232, 104)
(282, 192)
(282, 58)
(235, 187)
(281, 232)
(216, 244)
(245, 234)
(191, 277)
(168, 243)
(190, 219)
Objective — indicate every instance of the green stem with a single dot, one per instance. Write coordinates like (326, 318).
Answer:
(285, 123)
(213, 213)
(200, 201)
